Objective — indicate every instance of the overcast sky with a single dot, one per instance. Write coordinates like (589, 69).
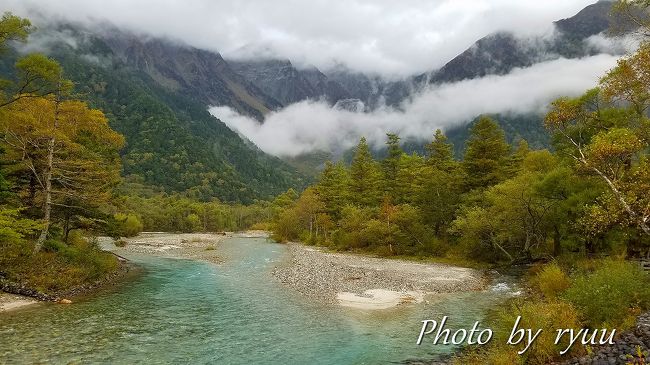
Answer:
(389, 37)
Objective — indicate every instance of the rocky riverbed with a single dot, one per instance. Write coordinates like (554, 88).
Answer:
(194, 246)
(625, 350)
(369, 282)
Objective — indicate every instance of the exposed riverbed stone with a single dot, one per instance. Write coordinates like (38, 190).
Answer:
(625, 349)
(20, 289)
(194, 246)
(318, 274)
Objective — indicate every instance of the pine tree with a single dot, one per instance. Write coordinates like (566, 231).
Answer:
(391, 165)
(36, 74)
(486, 155)
(364, 176)
(517, 157)
(440, 153)
(67, 149)
(333, 188)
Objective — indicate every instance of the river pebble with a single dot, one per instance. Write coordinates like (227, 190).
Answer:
(319, 274)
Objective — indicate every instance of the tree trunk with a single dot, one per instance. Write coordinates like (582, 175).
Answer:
(47, 207)
(557, 243)
(503, 250)
(66, 229)
(640, 221)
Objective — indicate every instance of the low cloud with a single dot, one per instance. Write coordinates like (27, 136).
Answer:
(601, 43)
(314, 125)
(44, 42)
(386, 37)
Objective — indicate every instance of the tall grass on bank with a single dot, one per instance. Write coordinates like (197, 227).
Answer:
(58, 267)
(593, 294)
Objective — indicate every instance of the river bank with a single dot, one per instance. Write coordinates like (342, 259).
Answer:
(14, 296)
(195, 246)
(191, 246)
(366, 282)
(11, 302)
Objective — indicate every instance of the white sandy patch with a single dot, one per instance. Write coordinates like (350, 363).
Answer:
(378, 299)
(251, 234)
(10, 302)
(367, 282)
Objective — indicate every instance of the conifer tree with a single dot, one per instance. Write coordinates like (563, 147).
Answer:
(67, 149)
(333, 187)
(486, 155)
(364, 176)
(517, 158)
(440, 153)
(391, 165)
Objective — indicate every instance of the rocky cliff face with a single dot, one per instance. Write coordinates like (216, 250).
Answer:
(287, 83)
(204, 75)
(593, 19)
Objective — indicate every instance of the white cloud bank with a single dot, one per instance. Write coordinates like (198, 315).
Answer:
(388, 37)
(314, 125)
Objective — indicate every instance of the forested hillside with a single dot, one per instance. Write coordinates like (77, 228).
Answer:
(89, 147)
(172, 142)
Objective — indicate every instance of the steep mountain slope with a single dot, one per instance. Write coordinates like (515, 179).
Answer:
(593, 19)
(500, 53)
(495, 54)
(204, 75)
(173, 143)
(372, 90)
(288, 84)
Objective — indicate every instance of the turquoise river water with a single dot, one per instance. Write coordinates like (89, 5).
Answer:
(190, 312)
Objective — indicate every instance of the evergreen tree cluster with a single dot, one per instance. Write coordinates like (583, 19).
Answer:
(500, 203)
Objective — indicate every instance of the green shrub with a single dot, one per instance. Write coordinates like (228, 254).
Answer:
(132, 226)
(433, 247)
(193, 223)
(54, 246)
(286, 227)
(610, 294)
(376, 233)
(128, 225)
(261, 226)
(551, 281)
(57, 267)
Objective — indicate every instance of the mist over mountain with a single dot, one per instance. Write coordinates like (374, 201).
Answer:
(501, 52)
(496, 75)
(289, 108)
(494, 54)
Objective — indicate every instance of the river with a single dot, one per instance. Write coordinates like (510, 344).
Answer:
(182, 311)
